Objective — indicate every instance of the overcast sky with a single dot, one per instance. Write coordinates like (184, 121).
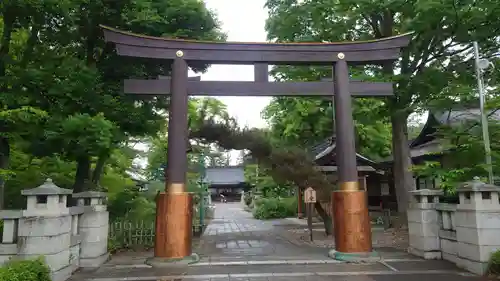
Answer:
(242, 20)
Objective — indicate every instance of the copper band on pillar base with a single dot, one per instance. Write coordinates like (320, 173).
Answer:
(173, 225)
(176, 188)
(349, 186)
(351, 222)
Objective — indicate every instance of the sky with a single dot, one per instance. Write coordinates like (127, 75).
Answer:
(243, 21)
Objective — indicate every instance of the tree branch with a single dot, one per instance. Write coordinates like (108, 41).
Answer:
(373, 25)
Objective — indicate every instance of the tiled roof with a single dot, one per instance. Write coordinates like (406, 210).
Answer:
(320, 147)
(327, 147)
(426, 143)
(224, 175)
(450, 118)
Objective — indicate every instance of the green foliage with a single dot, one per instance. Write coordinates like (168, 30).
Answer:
(437, 66)
(275, 208)
(307, 121)
(463, 157)
(131, 204)
(263, 182)
(28, 172)
(82, 134)
(199, 110)
(494, 265)
(248, 198)
(114, 245)
(25, 270)
(61, 94)
(287, 165)
(29, 118)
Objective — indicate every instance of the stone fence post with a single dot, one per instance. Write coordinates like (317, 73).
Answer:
(423, 224)
(477, 225)
(93, 227)
(45, 228)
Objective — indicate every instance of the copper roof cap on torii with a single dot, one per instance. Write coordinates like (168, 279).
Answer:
(373, 51)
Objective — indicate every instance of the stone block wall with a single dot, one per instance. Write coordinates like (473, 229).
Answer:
(93, 227)
(67, 238)
(465, 234)
(423, 226)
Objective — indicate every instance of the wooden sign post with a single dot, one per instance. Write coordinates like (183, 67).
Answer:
(310, 199)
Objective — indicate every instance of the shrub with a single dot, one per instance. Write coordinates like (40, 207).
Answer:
(494, 266)
(275, 208)
(25, 270)
(131, 204)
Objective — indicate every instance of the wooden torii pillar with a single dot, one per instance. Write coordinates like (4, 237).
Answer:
(351, 220)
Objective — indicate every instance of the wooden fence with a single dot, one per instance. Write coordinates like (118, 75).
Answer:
(130, 234)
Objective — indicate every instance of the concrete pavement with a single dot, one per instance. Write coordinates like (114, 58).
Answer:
(237, 247)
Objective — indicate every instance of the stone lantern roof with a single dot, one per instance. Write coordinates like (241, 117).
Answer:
(47, 188)
(477, 185)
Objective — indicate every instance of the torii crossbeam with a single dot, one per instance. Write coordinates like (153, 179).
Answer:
(173, 226)
(249, 88)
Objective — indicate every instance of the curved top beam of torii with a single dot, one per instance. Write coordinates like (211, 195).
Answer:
(363, 52)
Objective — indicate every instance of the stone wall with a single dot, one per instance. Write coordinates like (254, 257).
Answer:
(67, 237)
(465, 234)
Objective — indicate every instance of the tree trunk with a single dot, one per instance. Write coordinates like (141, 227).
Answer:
(82, 174)
(99, 168)
(4, 163)
(8, 28)
(327, 220)
(403, 176)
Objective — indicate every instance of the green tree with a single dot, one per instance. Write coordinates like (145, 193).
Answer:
(199, 110)
(289, 166)
(53, 58)
(306, 121)
(437, 57)
(22, 23)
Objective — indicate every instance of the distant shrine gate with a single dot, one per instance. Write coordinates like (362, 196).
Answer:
(351, 220)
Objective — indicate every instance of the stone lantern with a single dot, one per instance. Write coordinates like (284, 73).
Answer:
(477, 195)
(46, 200)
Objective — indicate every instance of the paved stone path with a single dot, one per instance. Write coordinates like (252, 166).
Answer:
(235, 235)
(237, 247)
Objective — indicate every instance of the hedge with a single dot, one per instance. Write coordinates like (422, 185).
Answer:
(275, 208)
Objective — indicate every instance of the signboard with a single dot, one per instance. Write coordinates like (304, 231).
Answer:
(310, 195)
(310, 199)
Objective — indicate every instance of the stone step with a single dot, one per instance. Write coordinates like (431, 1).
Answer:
(433, 275)
(254, 270)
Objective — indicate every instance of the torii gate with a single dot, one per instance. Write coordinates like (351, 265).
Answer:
(173, 215)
